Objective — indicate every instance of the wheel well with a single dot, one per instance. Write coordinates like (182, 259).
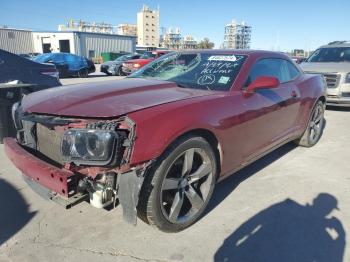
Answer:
(211, 139)
(323, 99)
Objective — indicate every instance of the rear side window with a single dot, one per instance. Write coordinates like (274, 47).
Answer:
(293, 71)
(282, 69)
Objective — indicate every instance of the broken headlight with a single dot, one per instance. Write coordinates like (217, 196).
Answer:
(86, 146)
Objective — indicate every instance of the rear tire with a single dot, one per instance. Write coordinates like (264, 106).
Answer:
(178, 188)
(314, 128)
(83, 73)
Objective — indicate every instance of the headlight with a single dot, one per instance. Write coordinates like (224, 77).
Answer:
(85, 146)
(347, 78)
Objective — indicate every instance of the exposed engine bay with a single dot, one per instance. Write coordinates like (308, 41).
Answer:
(95, 154)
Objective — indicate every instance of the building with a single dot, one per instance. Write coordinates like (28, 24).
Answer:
(16, 40)
(174, 40)
(148, 27)
(82, 43)
(82, 26)
(189, 43)
(237, 35)
(127, 29)
(171, 39)
(298, 53)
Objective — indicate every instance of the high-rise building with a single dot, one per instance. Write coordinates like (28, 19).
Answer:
(127, 29)
(237, 35)
(148, 27)
(82, 26)
(189, 43)
(172, 39)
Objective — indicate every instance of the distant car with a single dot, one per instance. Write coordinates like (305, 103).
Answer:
(68, 64)
(29, 55)
(147, 57)
(298, 59)
(20, 76)
(14, 68)
(333, 62)
(115, 67)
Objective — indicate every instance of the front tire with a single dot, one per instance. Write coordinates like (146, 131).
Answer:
(177, 190)
(314, 128)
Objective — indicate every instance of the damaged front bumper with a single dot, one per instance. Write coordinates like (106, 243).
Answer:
(61, 185)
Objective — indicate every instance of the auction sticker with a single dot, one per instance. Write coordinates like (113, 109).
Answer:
(223, 80)
(231, 58)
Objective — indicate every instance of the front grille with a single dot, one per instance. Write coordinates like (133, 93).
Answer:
(332, 80)
(49, 142)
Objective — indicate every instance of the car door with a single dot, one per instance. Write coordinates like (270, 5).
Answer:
(278, 106)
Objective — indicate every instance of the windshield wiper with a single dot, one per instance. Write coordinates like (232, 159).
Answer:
(182, 85)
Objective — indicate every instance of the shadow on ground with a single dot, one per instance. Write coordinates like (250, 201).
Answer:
(224, 188)
(14, 212)
(288, 232)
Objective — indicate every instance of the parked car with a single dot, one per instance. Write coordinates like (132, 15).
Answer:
(20, 76)
(115, 67)
(25, 71)
(333, 62)
(298, 60)
(29, 55)
(68, 64)
(131, 66)
(159, 140)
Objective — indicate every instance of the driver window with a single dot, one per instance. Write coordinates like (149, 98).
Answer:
(273, 67)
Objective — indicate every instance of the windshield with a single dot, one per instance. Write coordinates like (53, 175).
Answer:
(333, 54)
(147, 55)
(195, 70)
(42, 58)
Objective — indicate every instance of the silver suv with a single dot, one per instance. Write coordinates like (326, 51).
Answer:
(333, 61)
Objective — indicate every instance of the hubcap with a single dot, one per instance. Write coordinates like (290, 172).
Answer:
(316, 124)
(186, 186)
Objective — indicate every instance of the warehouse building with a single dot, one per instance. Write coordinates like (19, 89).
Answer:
(82, 43)
(16, 40)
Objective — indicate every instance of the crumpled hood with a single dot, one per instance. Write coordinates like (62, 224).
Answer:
(106, 99)
(341, 67)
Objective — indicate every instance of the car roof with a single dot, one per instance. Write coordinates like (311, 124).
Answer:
(247, 52)
(337, 44)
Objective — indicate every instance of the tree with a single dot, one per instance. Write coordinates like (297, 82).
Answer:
(205, 44)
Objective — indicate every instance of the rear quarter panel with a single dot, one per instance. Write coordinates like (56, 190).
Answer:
(312, 88)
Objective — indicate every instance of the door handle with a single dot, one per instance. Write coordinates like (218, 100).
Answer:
(294, 94)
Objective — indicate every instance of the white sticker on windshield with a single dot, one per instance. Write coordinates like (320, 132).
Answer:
(231, 58)
(223, 80)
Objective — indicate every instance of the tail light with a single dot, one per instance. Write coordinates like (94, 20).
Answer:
(50, 72)
(136, 65)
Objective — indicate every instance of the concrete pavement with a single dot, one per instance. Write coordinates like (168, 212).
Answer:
(263, 213)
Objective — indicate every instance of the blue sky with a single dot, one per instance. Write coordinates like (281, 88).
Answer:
(282, 25)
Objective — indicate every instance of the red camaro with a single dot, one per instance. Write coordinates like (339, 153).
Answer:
(159, 140)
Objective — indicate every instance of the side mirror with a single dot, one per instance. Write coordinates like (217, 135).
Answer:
(263, 82)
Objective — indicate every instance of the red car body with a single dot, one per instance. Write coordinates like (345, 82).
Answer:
(245, 125)
(135, 64)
